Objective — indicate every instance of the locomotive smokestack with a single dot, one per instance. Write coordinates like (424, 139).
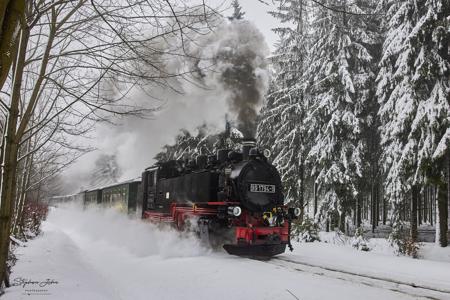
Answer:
(247, 144)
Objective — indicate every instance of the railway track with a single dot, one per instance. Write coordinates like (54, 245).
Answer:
(403, 287)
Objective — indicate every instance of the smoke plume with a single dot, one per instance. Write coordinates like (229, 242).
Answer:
(232, 79)
(238, 53)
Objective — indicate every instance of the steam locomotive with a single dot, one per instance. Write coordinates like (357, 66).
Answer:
(234, 199)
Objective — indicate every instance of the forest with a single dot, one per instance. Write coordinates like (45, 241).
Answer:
(359, 109)
(357, 117)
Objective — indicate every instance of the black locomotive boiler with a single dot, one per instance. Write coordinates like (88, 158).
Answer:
(235, 198)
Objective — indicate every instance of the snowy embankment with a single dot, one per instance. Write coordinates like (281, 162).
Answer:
(381, 263)
(104, 255)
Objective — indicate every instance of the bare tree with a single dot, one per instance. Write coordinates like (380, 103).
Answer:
(73, 63)
(11, 14)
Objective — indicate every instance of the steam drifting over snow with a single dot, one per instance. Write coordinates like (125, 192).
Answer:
(108, 228)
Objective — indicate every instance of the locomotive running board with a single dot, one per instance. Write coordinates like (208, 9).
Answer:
(261, 250)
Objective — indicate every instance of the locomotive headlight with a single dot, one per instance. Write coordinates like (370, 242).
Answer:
(234, 211)
(294, 212)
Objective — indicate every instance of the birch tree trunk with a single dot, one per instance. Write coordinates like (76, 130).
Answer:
(22, 191)
(8, 189)
(11, 12)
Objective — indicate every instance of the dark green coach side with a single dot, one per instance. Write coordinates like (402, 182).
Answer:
(124, 196)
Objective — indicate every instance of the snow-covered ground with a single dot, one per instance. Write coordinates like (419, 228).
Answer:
(104, 255)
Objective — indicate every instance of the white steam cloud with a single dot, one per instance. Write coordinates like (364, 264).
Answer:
(232, 80)
(110, 229)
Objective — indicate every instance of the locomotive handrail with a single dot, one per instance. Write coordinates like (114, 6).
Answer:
(222, 203)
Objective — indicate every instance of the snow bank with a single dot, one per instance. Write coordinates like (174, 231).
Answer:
(378, 263)
(334, 237)
(432, 251)
(427, 251)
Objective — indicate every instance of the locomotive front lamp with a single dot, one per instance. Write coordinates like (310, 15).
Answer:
(297, 211)
(235, 211)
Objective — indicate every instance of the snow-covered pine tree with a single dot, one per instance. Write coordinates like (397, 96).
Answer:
(238, 14)
(229, 139)
(413, 91)
(431, 80)
(397, 105)
(268, 120)
(340, 77)
(188, 146)
(370, 184)
(282, 125)
(106, 171)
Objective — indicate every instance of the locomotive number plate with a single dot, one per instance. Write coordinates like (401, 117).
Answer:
(262, 188)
